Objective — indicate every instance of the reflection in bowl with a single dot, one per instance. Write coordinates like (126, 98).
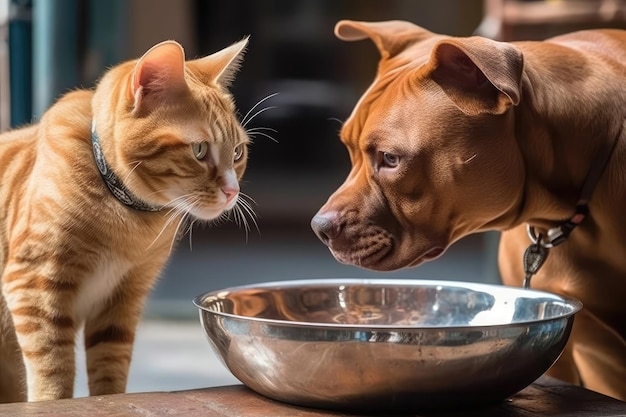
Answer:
(386, 344)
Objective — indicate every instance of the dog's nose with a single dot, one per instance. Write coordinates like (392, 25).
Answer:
(326, 226)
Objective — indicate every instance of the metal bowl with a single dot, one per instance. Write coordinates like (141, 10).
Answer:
(386, 344)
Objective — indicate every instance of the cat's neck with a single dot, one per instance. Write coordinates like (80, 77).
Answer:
(113, 182)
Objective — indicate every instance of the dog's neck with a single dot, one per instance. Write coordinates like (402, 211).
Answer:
(553, 187)
(563, 145)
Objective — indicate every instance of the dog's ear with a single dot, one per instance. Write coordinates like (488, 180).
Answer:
(480, 75)
(390, 37)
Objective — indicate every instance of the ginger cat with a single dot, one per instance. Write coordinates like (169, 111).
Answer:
(92, 199)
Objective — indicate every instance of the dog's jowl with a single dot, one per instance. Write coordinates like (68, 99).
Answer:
(462, 135)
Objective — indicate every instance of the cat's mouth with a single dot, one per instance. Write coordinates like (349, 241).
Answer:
(213, 211)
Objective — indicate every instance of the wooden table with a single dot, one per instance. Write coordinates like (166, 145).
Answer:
(546, 397)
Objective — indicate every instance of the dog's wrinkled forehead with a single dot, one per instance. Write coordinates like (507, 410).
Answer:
(376, 106)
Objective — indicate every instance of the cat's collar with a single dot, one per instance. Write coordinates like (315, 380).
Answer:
(113, 182)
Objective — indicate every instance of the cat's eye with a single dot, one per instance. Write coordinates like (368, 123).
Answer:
(200, 149)
(238, 153)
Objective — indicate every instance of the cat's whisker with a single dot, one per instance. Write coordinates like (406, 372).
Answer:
(254, 129)
(246, 223)
(175, 237)
(245, 120)
(222, 218)
(187, 219)
(181, 201)
(245, 207)
(242, 212)
(190, 232)
(155, 192)
(245, 198)
(182, 207)
(137, 163)
(254, 134)
(334, 119)
(240, 220)
(169, 221)
(173, 210)
(264, 109)
(247, 201)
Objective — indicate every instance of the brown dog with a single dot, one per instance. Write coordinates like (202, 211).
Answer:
(463, 135)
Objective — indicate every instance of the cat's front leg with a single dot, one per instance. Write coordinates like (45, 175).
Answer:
(12, 371)
(46, 331)
(110, 334)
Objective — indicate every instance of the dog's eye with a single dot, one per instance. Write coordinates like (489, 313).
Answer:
(390, 160)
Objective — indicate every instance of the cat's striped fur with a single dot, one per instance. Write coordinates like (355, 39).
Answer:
(72, 255)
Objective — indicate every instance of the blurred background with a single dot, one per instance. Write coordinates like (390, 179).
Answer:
(48, 47)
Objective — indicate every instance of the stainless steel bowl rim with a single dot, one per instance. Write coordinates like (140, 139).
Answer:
(575, 304)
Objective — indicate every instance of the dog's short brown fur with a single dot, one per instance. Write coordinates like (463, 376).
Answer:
(463, 135)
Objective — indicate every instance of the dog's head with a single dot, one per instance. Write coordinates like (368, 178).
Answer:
(432, 147)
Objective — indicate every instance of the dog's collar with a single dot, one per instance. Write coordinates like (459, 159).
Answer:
(112, 181)
(536, 254)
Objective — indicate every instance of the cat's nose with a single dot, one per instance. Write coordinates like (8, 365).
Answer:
(229, 185)
(230, 192)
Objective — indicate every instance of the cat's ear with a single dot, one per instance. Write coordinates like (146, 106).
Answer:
(159, 73)
(222, 66)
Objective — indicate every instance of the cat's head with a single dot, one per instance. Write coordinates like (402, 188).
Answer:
(169, 129)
